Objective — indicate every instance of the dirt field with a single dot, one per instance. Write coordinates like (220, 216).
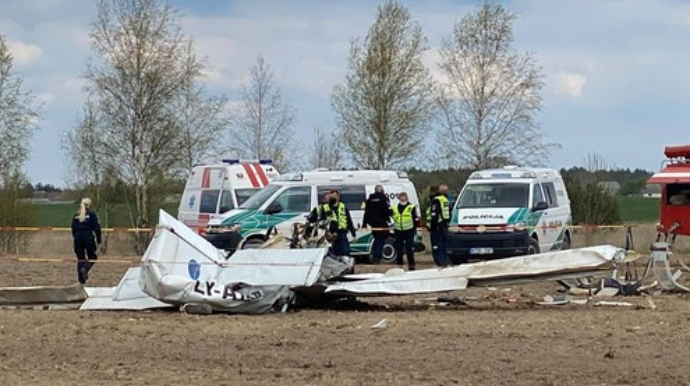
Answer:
(489, 342)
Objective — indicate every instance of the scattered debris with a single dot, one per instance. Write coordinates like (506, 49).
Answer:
(652, 305)
(382, 325)
(606, 292)
(615, 304)
(610, 353)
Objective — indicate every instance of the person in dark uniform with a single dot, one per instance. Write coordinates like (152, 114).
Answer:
(377, 214)
(439, 218)
(406, 218)
(86, 232)
(339, 223)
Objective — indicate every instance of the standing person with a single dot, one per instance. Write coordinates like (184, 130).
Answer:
(439, 218)
(86, 232)
(377, 213)
(315, 214)
(406, 220)
(340, 223)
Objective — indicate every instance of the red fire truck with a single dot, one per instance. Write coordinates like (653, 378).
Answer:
(674, 179)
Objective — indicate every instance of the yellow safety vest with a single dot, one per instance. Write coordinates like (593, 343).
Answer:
(445, 209)
(340, 218)
(403, 221)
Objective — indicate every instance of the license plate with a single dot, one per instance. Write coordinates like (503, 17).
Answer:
(481, 251)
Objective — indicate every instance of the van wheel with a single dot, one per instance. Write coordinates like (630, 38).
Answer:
(566, 242)
(532, 247)
(252, 244)
(389, 251)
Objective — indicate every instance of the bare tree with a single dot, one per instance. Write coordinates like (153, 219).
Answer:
(145, 68)
(326, 150)
(490, 103)
(263, 126)
(203, 123)
(385, 105)
(18, 116)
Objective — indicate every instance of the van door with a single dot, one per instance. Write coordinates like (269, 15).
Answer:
(288, 207)
(554, 218)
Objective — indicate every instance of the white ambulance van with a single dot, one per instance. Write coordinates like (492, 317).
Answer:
(212, 189)
(510, 212)
(290, 197)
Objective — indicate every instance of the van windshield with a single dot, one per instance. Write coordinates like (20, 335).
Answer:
(494, 195)
(243, 195)
(260, 197)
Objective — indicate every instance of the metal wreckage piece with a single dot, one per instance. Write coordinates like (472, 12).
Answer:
(180, 268)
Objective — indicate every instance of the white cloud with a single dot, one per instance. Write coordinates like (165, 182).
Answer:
(24, 53)
(45, 98)
(570, 84)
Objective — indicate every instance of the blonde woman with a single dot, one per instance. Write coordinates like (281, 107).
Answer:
(86, 232)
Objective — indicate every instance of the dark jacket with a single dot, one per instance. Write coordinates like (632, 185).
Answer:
(87, 229)
(377, 211)
(437, 223)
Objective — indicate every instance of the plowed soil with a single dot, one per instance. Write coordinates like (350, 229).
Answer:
(501, 338)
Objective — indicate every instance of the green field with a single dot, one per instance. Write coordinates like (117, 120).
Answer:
(634, 210)
(60, 215)
(639, 210)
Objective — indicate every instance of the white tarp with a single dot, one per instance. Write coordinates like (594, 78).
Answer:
(180, 267)
(522, 269)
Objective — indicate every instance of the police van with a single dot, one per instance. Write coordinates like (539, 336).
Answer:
(510, 212)
(290, 197)
(213, 189)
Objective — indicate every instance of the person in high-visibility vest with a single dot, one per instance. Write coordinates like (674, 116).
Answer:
(438, 220)
(315, 214)
(340, 223)
(406, 220)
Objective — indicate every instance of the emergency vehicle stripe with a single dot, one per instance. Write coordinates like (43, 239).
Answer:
(206, 178)
(262, 174)
(251, 174)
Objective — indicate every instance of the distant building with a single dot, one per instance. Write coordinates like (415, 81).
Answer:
(612, 187)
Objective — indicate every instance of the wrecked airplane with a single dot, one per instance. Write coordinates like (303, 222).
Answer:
(180, 268)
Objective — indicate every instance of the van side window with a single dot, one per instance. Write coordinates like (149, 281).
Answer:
(226, 202)
(351, 195)
(537, 195)
(550, 193)
(295, 200)
(209, 201)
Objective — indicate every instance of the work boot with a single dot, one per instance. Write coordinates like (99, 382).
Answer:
(411, 268)
(83, 275)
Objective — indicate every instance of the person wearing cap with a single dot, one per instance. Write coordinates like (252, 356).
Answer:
(339, 223)
(438, 220)
(86, 232)
(406, 221)
(377, 214)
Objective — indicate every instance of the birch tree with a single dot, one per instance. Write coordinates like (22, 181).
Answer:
(263, 127)
(490, 103)
(385, 105)
(204, 123)
(326, 150)
(144, 67)
(19, 115)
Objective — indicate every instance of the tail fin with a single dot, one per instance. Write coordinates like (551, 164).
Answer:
(176, 253)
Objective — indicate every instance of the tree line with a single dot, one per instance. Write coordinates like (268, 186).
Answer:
(148, 118)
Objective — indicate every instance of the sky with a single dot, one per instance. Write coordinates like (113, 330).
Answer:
(617, 71)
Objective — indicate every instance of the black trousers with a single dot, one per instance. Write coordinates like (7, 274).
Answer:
(84, 247)
(404, 241)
